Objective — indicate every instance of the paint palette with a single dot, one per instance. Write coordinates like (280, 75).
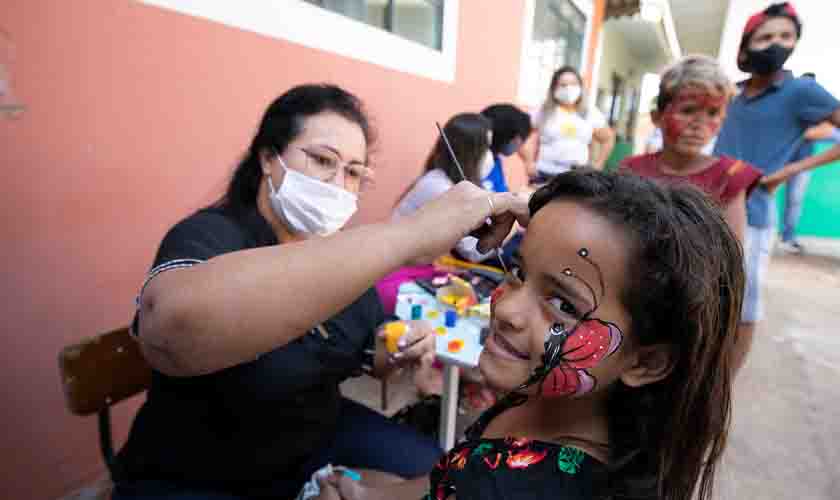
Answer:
(458, 339)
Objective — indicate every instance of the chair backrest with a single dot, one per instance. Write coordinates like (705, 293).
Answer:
(101, 371)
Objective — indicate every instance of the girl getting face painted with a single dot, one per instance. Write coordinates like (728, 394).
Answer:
(556, 322)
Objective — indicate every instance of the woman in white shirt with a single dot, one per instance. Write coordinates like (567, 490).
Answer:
(470, 135)
(569, 130)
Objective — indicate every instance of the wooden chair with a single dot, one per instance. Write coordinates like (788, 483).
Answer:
(100, 372)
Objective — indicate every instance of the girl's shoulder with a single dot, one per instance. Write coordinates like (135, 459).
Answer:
(498, 468)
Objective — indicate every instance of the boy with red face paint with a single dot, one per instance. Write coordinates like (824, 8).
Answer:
(690, 109)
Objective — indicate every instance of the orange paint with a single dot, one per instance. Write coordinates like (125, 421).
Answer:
(455, 345)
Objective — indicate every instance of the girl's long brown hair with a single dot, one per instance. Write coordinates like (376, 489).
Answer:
(686, 284)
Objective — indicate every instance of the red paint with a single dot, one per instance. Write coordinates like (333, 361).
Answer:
(497, 294)
(591, 342)
(692, 114)
(561, 381)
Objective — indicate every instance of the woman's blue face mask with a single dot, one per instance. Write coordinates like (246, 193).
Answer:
(510, 148)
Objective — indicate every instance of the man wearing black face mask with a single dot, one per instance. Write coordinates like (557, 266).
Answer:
(765, 126)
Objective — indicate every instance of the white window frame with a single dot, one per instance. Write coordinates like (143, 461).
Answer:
(296, 22)
(587, 8)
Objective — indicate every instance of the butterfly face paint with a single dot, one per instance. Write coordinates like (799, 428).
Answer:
(571, 352)
(575, 353)
(691, 119)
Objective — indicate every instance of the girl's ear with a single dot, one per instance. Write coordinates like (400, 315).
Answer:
(652, 364)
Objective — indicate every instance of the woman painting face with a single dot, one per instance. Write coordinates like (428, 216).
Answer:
(568, 278)
(311, 186)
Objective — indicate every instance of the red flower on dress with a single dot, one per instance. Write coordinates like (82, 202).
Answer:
(459, 460)
(494, 464)
(525, 459)
(440, 493)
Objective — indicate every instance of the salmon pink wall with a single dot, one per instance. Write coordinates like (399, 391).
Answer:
(135, 117)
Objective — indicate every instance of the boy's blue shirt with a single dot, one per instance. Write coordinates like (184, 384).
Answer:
(767, 131)
(495, 180)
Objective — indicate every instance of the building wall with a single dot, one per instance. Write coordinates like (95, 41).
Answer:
(135, 117)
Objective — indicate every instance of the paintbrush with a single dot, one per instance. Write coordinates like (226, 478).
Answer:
(463, 178)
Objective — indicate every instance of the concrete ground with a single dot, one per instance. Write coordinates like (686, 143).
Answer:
(785, 440)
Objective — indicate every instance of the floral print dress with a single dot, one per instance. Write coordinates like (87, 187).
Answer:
(512, 468)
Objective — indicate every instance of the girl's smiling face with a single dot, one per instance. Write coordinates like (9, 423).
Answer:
(568, 278)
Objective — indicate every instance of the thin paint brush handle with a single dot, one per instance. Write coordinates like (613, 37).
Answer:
(451, 152)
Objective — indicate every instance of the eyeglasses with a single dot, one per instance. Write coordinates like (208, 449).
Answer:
(324, 165)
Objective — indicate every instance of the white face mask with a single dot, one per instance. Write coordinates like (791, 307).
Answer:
(568, 95)
(310, 206)
(487, 164)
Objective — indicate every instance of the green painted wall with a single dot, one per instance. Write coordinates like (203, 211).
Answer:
(821, 211)
(621, 150)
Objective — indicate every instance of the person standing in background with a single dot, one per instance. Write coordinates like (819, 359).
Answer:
(511, 128)
(569, 130)
(764, 126)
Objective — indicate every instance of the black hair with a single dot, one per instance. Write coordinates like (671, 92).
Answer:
(685, 285)
(509, 122)
(810, 75)
(280, 124)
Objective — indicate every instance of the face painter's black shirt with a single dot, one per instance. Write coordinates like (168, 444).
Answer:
(243, 427)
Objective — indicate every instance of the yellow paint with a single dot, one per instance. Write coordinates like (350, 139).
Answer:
(393, 332)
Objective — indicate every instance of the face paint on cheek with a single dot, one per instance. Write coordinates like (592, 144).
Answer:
(586, 347)
(675, 123)
(674, 126)
(497, 293)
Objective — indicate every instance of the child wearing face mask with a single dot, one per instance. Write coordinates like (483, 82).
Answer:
(470, 135)
(765, 125)
(609, 340)
(511, 128)
(570, 131)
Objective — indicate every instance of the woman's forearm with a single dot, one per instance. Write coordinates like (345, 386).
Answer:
(237, 306)
(240, 305)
